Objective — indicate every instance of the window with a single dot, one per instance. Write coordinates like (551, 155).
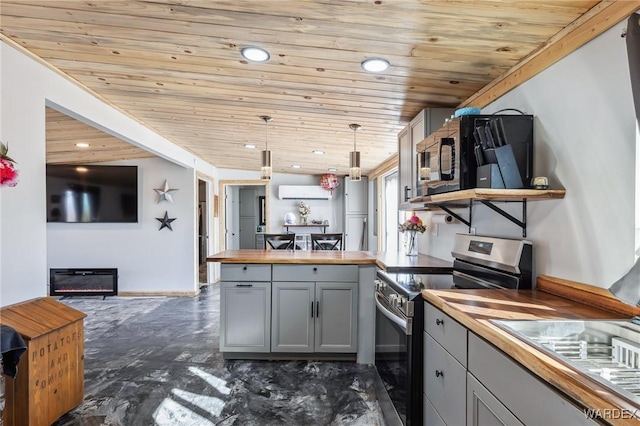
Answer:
(390, 214)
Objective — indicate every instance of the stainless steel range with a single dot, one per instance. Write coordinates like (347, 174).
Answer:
(608, 351)
(480, 262)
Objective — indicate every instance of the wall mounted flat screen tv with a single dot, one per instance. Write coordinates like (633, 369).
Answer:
(90, 193)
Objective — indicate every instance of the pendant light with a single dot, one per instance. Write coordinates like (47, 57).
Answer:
(265, 170)
(354, 158)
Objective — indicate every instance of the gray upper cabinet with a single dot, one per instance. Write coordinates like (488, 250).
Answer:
(426, 122)
(355, 196)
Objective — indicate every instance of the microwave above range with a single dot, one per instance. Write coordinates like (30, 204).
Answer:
(476, 151)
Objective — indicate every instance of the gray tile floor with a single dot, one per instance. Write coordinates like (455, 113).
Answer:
(156, 361)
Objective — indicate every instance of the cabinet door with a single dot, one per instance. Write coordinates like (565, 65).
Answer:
(292, 324)
(355, 196)
(444, 382)
(484, 409)
(245, 316)
(355, 233)
(405, 161)
(336, 317)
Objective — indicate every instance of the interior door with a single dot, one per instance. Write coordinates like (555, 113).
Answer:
(230, 221)
(248, 204)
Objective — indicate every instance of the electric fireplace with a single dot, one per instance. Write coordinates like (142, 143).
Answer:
(83, 282)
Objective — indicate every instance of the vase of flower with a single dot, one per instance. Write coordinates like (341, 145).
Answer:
(304, 211)
(410, 228)
(411, 243)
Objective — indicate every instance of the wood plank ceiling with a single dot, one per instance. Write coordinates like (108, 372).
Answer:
(176, 66)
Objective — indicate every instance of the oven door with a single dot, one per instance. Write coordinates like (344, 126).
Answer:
(394, 345)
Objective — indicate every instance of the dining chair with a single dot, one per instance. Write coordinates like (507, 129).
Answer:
(279, 241)
(327, 241)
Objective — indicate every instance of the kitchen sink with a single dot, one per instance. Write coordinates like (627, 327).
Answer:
(606, 350)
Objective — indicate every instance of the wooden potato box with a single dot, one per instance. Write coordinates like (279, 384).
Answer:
(50, 379)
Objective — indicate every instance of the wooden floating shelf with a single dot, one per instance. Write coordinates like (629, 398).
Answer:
(486, 196)
(490, 194)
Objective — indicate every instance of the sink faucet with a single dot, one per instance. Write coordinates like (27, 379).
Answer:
(627, 288)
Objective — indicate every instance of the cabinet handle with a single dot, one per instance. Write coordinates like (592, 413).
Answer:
(406, 190)
(439, 321)
(311, 309)
(244, 268)
(317, 309)
(315, 269)
(439, 373)
(244, 285)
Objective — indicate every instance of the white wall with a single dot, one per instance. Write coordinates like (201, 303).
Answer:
(26, 86)
(148, 259)
(584, 142)
(331, 210)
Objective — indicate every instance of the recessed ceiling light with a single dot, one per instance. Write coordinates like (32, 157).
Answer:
(255, 54)
(295, 166)
(249, 146)
(318, 152)
(82, 145)
(332, 169)
(375, 65)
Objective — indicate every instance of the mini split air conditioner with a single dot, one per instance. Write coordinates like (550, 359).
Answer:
(303, 192)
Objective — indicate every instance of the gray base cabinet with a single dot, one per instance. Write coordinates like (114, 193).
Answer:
(515, 388)
(484, 409)
(245, 313)
(314, 317)
(467, 381)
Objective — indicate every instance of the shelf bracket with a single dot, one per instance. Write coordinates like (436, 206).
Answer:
(456, 215)
(521, 223)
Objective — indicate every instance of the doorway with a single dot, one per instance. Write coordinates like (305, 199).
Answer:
(203, 231)
(244, 207)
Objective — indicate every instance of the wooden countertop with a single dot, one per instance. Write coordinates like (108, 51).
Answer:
(475, 308)
(420, 264)
(320, 257)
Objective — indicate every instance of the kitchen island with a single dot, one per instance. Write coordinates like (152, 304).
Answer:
(286, 303)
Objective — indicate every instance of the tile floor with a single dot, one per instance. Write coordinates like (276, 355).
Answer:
(155, 361)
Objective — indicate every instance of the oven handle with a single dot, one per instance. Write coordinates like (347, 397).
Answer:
(403, 324)
(475, 280)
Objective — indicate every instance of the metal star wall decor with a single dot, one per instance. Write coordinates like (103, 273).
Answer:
(166, 193)
(165, 222)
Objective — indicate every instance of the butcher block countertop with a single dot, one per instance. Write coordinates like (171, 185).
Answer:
(553, 299)
(390, 262)
(420, 264)
(318, 257)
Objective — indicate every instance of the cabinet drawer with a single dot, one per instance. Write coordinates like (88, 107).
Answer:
(245, 272)
(429, 414)
(445, 382)
(485, 361)
(333, 273)
(446, 331)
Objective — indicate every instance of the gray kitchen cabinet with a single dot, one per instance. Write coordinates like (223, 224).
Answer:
(315, 308)
(469, 382)
(484, 409)
(314, 317)
(292, 320)
(245, 308)
(445, 358)
(356, 195)
(426, 122)
(245, 312)
(514, 388)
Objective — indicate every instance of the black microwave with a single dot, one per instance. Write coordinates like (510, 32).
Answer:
(448, 160)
